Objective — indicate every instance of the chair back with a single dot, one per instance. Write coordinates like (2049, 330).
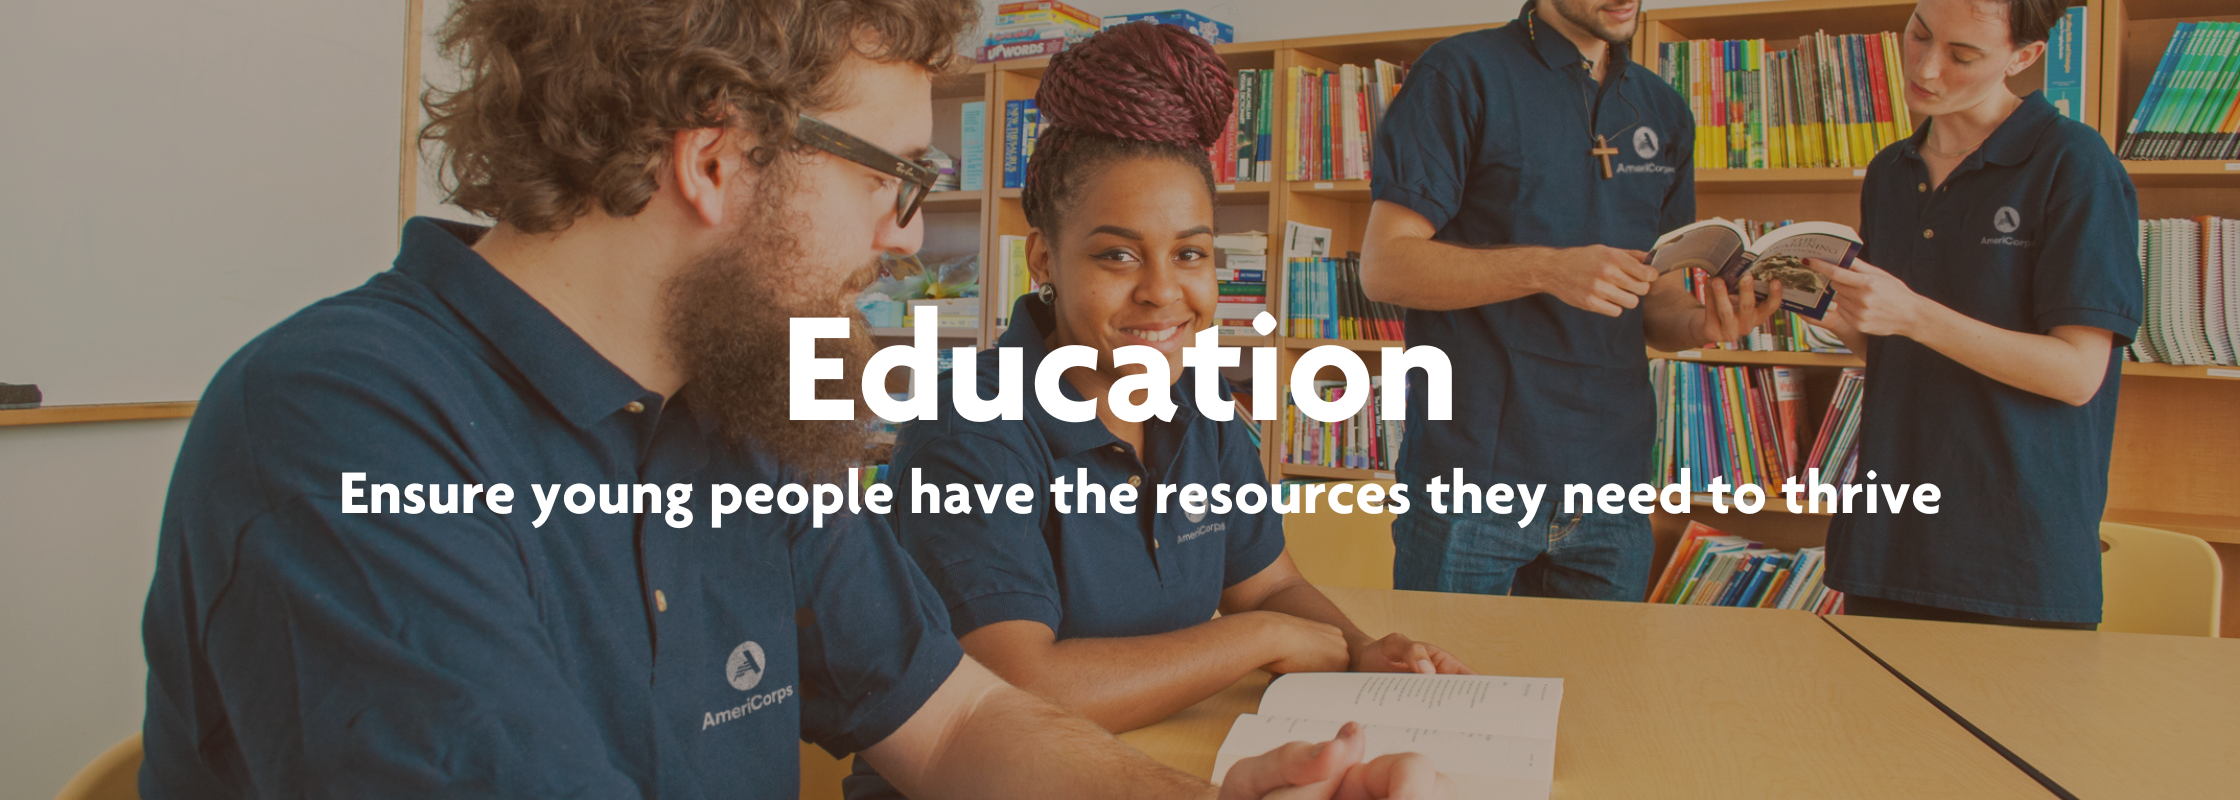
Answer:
(113, 775)
(2156, 581)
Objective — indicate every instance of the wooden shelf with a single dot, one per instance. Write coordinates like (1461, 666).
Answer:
(1780, 358)
(1007, 194)
(1337, 473)
(1793, 359)
(938, 202)
(1782, 180)
(939, 333)
(1363, 345)
(2184, 174)
(1244, 189)
(1248, 341)
(2135, 368)
(1355, 191)
(1775, 505)
(106, 412)
(2210, 527)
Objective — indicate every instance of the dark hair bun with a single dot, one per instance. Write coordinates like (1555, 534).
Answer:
(1141, 81)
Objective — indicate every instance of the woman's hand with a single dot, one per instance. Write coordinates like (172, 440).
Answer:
(1398, 653)
(1871, 300)
(1298, 644)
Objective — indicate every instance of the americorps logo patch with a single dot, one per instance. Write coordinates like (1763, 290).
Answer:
(745, 667)
(2006, 219)
(1645, 143)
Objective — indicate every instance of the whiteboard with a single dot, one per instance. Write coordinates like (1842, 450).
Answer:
(177, 177)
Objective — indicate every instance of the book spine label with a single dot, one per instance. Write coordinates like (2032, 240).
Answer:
(1014, 170)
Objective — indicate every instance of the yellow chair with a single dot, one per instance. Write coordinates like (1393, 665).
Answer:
(2156, 581)
(113, 775)
(821, 773)
(1333, 549)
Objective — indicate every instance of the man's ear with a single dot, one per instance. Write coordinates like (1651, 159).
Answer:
(704, 163)
(1038, 256)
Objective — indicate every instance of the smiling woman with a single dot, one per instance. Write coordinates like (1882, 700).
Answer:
(1109, 609)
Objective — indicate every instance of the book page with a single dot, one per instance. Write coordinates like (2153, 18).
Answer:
(1484, 704)
(1780, 255)
(1712, 245)
(1481, 765)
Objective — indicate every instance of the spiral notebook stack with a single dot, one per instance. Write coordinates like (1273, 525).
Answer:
(2192, 278)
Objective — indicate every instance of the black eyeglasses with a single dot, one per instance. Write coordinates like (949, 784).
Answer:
(917, 175)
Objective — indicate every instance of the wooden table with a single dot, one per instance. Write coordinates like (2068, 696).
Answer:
(1673, 701)
(2102, 715)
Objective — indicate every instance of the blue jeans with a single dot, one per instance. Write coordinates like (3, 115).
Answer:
(1591, 556)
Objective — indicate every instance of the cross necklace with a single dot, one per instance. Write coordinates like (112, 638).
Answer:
(1614, 54)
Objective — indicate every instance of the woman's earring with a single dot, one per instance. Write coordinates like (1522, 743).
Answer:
(1048, 293)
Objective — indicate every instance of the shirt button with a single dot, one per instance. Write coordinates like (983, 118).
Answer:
(1135, 480)
(1921, 187)
(1154, 544)
(635, 407)
(1119, 449)
(1928, 234)
(660, 601)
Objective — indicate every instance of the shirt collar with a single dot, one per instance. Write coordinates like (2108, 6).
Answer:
(2009, 144)
(583, 386)
(1556, 51)
(1031, 322)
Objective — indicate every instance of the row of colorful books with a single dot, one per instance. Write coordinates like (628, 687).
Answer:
(1832, 101)
(1021, 126)
(1715, 421)
(1323, 300)
(1036, 28)
(2191, 109)
(1243, 281)
(1334, 118)
(1365, 440)
(2192, 277)
(1247, 151)
(1711, 568)
(1744, 424)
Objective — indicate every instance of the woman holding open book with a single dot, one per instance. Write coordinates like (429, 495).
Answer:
(1111, 612)
(2004, 280)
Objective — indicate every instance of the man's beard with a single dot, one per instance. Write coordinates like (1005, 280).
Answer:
(728, 324)
(1583, 14)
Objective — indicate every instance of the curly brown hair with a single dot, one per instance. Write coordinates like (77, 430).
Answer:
(568, 103)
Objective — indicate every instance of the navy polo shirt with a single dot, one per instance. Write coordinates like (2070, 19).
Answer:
(1488, 139)
(1081, 574)
(1097, 575)
(2038, 228)
(295, 650)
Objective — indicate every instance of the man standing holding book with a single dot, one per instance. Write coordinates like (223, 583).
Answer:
(1518, 175)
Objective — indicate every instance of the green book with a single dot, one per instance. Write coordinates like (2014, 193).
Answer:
(2201, 127)
(2135, 133)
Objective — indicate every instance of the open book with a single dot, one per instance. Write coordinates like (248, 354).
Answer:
(1723, 249)
(1494, 736)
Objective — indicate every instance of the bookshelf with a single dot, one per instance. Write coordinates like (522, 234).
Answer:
(2175, 477)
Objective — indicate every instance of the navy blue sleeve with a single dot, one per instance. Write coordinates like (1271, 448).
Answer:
(988, 568)
(374, 654)
(2087, 270)
(1426, 144)
(1254, 540)
(874, 645)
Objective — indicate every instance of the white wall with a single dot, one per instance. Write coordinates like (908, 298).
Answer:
(178, 177)
(174, 178)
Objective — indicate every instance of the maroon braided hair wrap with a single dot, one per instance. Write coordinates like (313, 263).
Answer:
(1140, 90)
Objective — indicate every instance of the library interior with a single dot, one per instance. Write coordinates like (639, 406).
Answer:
(1737, 675)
